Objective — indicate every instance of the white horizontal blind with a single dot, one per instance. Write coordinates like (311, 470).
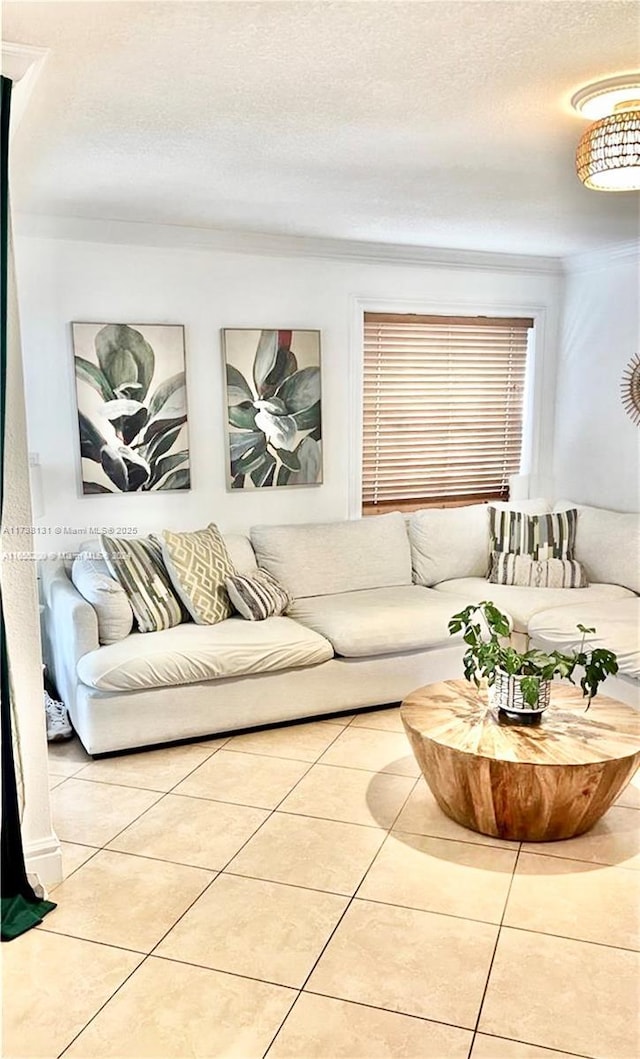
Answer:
(443, 401)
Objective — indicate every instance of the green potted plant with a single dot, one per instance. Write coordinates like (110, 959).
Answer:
(522, 681)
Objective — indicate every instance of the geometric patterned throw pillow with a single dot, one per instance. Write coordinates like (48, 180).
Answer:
(508, 568)
(540, 536)
(257, 597)
(198, 565)
(136, 563)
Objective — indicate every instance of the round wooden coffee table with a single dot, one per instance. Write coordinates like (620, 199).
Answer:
(535, 784)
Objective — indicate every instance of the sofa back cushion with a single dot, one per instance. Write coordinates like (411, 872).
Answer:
(320, 559)
(607, 544)
(540, 505)
(448, 543)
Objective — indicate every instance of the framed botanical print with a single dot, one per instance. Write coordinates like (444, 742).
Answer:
(273, 408)
(132, 407)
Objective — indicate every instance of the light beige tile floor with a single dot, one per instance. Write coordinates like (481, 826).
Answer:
(567, 898)
(94, 813)
(584, 997)
(260, 929)
(387, 720)
(247, 779)
(224, 900)
(73, 856)
(156, 770)
(122, 900)
(377, 751)
(435, 875)
(302, 742)
(192, 831)
(351, 795)
(305, 851)
(615, 839)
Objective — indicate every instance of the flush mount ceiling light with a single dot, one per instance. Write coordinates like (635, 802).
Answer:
(608, 155)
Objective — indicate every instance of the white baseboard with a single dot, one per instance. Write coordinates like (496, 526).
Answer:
(44, 859)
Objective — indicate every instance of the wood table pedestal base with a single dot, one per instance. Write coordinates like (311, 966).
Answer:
(526, 784)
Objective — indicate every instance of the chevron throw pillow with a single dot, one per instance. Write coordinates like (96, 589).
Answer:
(198, 564)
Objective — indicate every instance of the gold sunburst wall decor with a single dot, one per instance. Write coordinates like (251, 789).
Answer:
(631, 388)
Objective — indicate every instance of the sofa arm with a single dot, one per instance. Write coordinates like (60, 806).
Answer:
(70, 629)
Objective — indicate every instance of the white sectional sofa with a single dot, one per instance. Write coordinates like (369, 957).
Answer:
(372, 600)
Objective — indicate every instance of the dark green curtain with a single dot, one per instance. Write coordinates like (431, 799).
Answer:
(21, 909)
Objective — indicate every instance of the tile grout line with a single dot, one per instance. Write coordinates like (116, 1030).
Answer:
(234, 855)
(237, 852)
(577, 860)
(146, 956)
(163, 795)
(497, 845)
(331, 893)
(319, 761)
(543, 1047)
(493, 954)
(388, 832)
(271, 812)
(339, 921)
(371, 1007)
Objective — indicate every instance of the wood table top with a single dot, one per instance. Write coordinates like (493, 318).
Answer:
(455, 714)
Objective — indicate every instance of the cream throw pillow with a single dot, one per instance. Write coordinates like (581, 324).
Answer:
(90, 575)
(198, 564)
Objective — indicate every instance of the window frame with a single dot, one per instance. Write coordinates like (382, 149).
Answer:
(534, 428)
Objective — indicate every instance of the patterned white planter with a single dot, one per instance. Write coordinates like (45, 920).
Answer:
(507, 696)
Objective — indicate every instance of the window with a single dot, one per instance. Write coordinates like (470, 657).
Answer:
(443, 399)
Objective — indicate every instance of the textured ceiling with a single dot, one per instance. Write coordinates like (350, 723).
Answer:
(439, 124)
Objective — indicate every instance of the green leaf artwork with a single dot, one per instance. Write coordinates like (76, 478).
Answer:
(273, 408)
(132, 407)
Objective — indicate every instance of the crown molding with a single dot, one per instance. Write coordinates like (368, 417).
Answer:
(208, 239)
(22, 64)
(593, 260)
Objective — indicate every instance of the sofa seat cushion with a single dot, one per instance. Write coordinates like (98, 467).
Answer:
(379, 621)
(522, 603)
(189, 654)
(617, 625)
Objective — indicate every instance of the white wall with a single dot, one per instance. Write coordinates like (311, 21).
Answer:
(207, 289)
(597, 456)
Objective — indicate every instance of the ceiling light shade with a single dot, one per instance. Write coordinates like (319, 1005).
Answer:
(608, 155)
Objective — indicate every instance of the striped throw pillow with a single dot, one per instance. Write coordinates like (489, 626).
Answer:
(507, 568)
(136, 563)
(542, 537)
(257, 597)
(198, 564)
